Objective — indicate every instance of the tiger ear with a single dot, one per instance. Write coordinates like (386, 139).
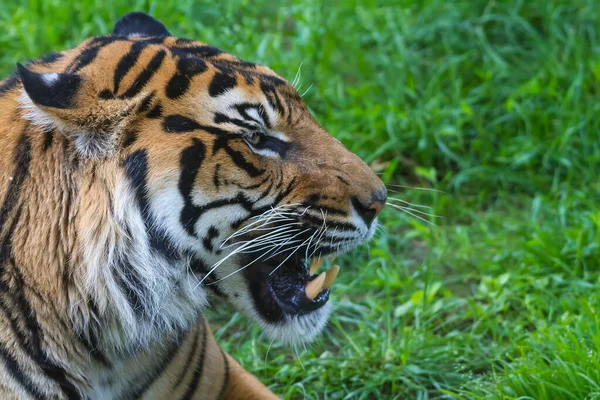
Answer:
(50, 89)
(64, 101)
(139, 24)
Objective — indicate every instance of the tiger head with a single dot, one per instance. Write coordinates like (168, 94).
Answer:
(210, 173)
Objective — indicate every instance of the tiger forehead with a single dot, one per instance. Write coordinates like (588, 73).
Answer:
(175, 62)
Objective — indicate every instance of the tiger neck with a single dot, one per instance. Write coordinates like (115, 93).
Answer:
(75, 237)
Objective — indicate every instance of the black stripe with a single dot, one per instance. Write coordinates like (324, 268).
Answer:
(146, 103)
(92, 342)
(30, 337)
(239, 160)
(256, 186)
(318, 220)
(130, 138)
(271, 94)
(190, 162)
(49, 58)
(22, 159)
(282, 195)
(240, 199)
(272, 80)
(247, 77)
(225, 375)
(84, 59)
(9, 84)
(187, 68)
(132, 286)
(237, 63)
(221, 83)
(220, 118)
(201, 51)
(198, 368)
(145, 76)
(328, 210)
(136, 169)
(180, 124)
(107, 94)
(184, 41)
(6, 242)
(199, 268)
(156, 374)
(100, 41)
(88, 55)
(341, 179)
(13, 368)
(194, 212)
(278, 102)
(50, 368)
(188, 360)
(91, 346)
(126, 63)
(216, 176)
(208, 239)
(217, 131)
(156, 111)
(70, 156)
(48, 137)
(288, 103)
(243, 110)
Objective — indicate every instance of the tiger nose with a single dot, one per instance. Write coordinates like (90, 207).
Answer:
(368, 212)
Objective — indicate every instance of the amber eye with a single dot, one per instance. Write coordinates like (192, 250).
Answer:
(255, 138)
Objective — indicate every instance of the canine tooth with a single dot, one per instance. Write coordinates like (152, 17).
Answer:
(315, 264)
(315, 286)
(331, 275)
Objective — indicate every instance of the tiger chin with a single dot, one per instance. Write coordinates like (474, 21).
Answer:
(141, 173)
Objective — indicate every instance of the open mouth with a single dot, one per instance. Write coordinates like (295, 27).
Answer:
(288, 285)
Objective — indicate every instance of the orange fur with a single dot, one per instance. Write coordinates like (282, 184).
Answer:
(99, 295)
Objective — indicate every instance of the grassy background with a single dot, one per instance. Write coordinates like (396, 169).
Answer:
(496, 104)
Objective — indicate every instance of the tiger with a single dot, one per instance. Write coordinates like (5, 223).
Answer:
(145, 178)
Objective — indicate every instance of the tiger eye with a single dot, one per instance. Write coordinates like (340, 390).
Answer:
(255, 138)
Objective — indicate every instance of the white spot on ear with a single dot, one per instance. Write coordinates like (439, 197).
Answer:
(49, 78)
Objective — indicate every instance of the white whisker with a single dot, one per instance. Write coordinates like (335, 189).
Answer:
(415, 211)
(306, 91)
(407, 203)
(416, 188)
(278, 229)
(298, 75)
(403, 209)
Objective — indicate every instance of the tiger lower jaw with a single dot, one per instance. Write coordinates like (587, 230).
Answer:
(289, 297)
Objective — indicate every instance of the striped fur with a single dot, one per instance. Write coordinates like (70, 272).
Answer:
(129, 162)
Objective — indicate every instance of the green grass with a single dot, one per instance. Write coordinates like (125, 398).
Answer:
(494, 103)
